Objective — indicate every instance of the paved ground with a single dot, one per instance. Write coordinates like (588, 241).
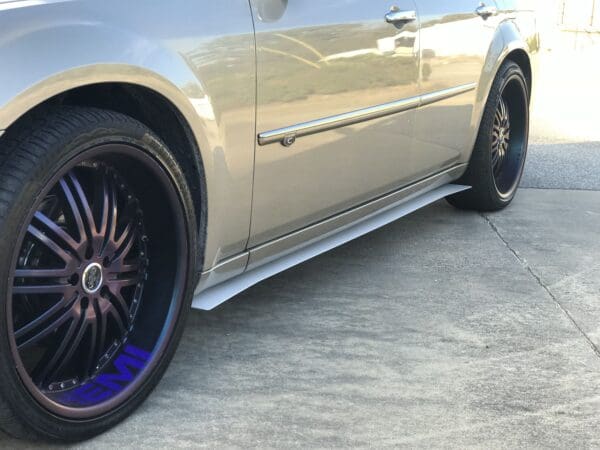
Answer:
(445, 329)
(572, 165)
(565, 150)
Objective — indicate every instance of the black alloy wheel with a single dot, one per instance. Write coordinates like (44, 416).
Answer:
(507, 143)
(498, 159)
(98, 273)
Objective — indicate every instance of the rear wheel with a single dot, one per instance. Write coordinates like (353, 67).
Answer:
(498, 159)
(96, 232)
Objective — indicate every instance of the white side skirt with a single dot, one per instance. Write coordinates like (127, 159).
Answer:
(214, 296)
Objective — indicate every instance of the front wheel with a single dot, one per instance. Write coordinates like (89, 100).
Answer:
(96, 270)
(498, 159)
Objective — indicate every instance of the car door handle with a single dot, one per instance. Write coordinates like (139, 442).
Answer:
(398, 17)
(486, 11)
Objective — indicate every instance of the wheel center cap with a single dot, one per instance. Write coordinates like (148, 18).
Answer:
(92, 278)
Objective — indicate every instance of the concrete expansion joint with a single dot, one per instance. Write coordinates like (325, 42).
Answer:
(538, 279)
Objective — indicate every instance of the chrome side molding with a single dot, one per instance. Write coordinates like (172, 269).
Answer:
(216, 295)
(288, 135)
(438, 96)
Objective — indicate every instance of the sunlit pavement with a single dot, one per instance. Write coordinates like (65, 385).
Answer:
(565, 130)
(446, 328)
(443, 329)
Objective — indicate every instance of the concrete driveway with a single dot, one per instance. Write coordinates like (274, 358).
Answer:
(445, 329)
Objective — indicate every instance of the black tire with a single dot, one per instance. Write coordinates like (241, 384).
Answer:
(146, 192)
(495, 179)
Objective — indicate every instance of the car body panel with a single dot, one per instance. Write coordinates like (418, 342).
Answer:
(293, 243)
(516, 32)
(370, 217)
(206, 67)
(47, 49)
(454, 42)
(324, 59)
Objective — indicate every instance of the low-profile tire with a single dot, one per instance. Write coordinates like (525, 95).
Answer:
(498, 158)
(97, 229)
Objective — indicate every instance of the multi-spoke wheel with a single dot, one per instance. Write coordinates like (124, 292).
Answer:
(96, 226)
(500, 137)
(498, 158)
(79, 278)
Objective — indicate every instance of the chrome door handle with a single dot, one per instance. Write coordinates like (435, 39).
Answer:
(486, 11)
(397, 17)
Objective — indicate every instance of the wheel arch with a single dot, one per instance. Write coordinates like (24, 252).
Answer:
(162, 116)
(139, 94)
(522, 59)
(48, 51)
(512, 41)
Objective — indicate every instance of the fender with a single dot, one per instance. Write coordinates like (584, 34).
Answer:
(48, 49)
(507, 39)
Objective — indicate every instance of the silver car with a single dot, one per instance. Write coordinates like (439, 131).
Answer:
(162, 155)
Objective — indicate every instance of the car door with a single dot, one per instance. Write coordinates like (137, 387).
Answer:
(318, 63)
(454, 42)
